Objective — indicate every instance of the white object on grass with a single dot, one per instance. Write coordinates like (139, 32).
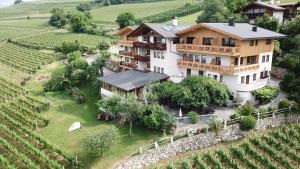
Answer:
(74, 126)
(180, 113)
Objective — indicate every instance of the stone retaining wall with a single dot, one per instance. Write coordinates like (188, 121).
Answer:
(200, 141)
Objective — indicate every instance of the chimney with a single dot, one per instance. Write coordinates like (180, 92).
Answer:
(231, 21)
(175, 21)
(254, 28)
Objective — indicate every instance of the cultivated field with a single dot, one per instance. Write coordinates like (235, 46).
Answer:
(55, 38)
(25, 23)
(277, 149)
(21, 58)
(10, 32)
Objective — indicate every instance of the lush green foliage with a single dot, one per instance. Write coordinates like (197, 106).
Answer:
(57, 81)
(100, 143)
(267, 22)
(217, 11)
(126, 19)
(216, 125)
(265, 94)
(58, 18)
(80, 21)
(247, 123)
(246, 110)
(68, 47)
(194, 116)
(84, 7)
(194, 92)
(187, 9)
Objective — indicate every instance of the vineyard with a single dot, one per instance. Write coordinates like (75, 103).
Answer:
(50, 40)
(20, 145)
(28, 60)
(168, 15)
(274, 150)
(10, 32)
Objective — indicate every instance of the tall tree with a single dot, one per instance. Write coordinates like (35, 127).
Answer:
(126, 19)
(58, 18)
(213, 11)
(80, 21)
(267, 22)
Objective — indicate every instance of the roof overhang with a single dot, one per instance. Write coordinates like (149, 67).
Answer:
(124, 31)
(138, 29)
(203, 25)
(278, 8)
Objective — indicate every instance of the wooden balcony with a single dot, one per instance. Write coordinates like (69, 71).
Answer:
(221, 50)
(142, 58)
(216, 68)
(153, 46)
(127, 65)
(126, 53)
(126, 43)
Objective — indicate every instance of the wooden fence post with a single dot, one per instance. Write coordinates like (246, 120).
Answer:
(171, 139)
(156, 145)
(141, 150)
(225, 125)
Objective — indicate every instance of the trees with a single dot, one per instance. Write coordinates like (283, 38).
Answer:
(132, 109)
(68, 47)
(57, 81)
(213, 11)
(235, 5)
(111, 105)
(100, 143)
(79, 21)
(267, 22)
(103, 45)
(126, 19)
(78, 71)
(58, 18)
(84, 7)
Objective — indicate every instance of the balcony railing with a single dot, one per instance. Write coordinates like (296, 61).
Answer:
(209, 49)
(126, 53)
(216, 68)
(128, 65)
(154, 46)
(142, 58)
(126, 43)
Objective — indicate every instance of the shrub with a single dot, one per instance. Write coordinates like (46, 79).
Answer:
(84, 7)
(247, 123)
(68, 47)
(125, 19)
(265, 94)
(103, 45)
(246, 109)
(216, 125)
(100, 143)
(57, 82)
(77, 95)
(194, 117)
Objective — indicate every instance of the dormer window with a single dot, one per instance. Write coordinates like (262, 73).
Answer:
(207, 41)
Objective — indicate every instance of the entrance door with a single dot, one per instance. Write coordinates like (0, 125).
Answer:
(188, 72)
(247, 79)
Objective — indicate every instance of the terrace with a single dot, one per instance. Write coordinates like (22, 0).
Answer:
(149, 45)
(223, 50)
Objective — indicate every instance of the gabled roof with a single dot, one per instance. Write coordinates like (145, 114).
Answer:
(241, 31)
(124, 30)
(132, 79)
(165, 30)
(266, 5)
(296, 4)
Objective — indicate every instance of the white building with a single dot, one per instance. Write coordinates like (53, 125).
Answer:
(237, 54)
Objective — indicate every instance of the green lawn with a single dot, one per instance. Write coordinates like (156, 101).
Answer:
(60, 121)
(26, 23)
(110, 13)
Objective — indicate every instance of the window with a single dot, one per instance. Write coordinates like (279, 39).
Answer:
(251, 42)
(191, 57)
(207, 41)
(158, 54)
(148, 52)
(189, 40)
(148, 65)
(256, 42)
(201, 73)
(218, 60)
(268, 58)
(221, 78)
(126, 48)
(215, 77)
(203, 59)
(146, 38)
(251, 59)
(263, 59)
(268, 41)
(154, 55)
(162, 70)
(254, 76)
(126, 59)
(188, 72)
(158, 69)
(261, 75)
(242, 61)
(154, 68)
(176, 40)
(157, 39)
(197, 59)
(228, 42)
(236, 61)
(243, 79)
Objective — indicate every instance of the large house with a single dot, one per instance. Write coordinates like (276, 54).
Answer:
(284, 12)
(237, 54)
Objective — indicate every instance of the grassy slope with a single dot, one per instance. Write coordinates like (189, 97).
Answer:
(60, 121)
(26, 23)
(110, 13)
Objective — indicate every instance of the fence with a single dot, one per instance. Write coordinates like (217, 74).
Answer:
(203, 119)
(226, 123)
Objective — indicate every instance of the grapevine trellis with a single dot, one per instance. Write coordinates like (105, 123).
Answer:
(24, 59)
(21, 146)
(274, 150)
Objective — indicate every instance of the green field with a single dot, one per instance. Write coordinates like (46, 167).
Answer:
(55, 38)
(278, 148)
(11, 32)
(26, 23)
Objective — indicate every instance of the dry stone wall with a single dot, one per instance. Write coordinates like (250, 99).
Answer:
(200, 141)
